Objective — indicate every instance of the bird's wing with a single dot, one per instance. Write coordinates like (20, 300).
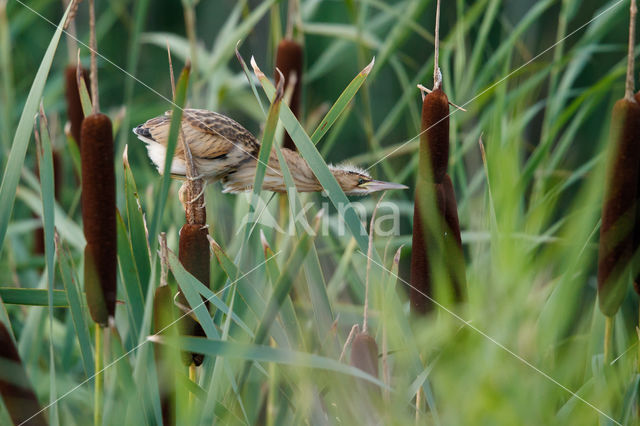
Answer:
(210, 135)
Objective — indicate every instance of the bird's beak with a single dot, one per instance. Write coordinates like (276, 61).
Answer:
(378, 185)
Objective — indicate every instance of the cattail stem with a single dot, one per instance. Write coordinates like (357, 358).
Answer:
(418, 405)
(290, 19)
(273, 388)
(94, 66)
(629, 85)
(99, 379)
(193, 377)
(608, 332)
(437, 77)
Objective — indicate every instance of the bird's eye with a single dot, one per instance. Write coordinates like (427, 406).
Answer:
(361, 181)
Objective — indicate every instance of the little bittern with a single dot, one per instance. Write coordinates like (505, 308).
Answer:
(224, 150)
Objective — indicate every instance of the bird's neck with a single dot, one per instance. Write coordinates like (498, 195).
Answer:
(302, 175)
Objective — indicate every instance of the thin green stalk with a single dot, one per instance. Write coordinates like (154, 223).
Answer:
(97, 401)
(608, 332)
(193, 378)
(273, 388)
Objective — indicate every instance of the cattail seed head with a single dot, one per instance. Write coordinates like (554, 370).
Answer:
(424, 236)
(434, 142)
(16, 390)
(619, 206)
(364, 354)
(99, 216)
(289, 60)
(194, 251)
(194, 256)
(74, 106)
(454, 254)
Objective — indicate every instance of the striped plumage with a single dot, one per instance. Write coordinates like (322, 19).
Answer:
(224, 150)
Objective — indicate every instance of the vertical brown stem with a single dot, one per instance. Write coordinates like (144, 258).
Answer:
(94, 66)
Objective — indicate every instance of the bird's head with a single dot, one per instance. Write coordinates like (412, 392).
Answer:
(355, 181)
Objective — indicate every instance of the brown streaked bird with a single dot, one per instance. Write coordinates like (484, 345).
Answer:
(224, 150)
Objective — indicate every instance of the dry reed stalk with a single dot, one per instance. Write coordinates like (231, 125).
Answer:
(621, 189)
(16, 390)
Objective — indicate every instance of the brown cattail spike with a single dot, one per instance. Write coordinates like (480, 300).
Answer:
(16, 390)
(364, 354)
(434, 141)
(99, 216)
(619, 206)
(194, 256)
(453, 241)
(74, 106)
(425, 235)
(289, 60)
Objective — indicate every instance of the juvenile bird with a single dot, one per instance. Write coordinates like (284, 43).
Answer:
(224, 150)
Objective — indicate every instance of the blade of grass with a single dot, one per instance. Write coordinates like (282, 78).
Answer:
(174, 130)
(280, 291)
(22, 135)
(47, 192)
(137, 226)
(130, 278)
(265, 153)
(198, 289)
(184, 278)
(310, 153)
(85, 100)
(77, 312)
(33, 297)
(7, 79)
(260, 353)
(223, 50)
(341, 103)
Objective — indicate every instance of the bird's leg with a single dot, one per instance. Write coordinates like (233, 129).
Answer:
(200, 194)
(194, 178)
